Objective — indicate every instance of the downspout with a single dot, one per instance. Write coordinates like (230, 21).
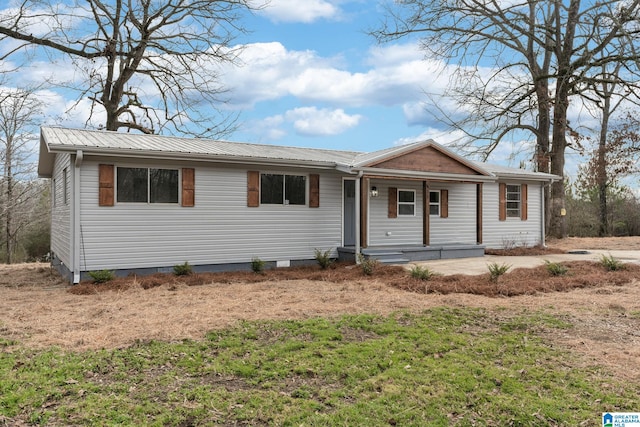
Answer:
(357, 251)
(75, 217)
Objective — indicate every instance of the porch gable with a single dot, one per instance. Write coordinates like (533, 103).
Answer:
(426, 159)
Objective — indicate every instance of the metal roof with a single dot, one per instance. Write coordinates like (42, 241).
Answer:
(63, 140)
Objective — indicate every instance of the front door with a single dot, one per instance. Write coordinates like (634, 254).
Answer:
(349, 215)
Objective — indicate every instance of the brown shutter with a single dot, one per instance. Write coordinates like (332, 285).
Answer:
(253, 189)
(314, 190)
(105, 185)
(188, 187)
(444, 203)
(523, 202)
(502, 188)
(393, 202)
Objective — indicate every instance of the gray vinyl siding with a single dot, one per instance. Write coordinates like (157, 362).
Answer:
(219, 229)
(459, 227)
(61, 212)
(403, 230)
(512, 232)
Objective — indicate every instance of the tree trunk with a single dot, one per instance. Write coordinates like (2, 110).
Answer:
(601, 174)
(557, 220)
(8, 176)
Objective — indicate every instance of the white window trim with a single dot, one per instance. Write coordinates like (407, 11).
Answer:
(414, 203)
(148, 202)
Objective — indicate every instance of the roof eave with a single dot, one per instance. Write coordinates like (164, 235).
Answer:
(201, 157)
(542, 177)
(436, 176)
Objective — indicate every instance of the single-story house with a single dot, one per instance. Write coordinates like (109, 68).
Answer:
(145, 203)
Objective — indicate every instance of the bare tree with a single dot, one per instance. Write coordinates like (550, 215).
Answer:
(615, 157)
(19, 111)
(148, 64)
(540, 52)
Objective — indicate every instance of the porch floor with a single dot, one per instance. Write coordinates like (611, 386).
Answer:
(402, 254)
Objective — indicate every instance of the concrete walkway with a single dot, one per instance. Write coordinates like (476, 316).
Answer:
(478, 265)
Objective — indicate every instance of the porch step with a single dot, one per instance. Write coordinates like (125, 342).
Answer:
(386, 256)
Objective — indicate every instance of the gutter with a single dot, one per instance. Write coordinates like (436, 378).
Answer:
(75, 216)
(173, 155)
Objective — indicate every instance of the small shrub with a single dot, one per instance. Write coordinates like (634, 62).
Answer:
(102, 276)
(368, 265)
(555, 269)
(182, 269)
(323, 258)
(496, 270)
(508, 243)
(423, 273)
(611, 263)
(257, 265)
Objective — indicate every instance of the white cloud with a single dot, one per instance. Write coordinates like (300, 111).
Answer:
(311, 121)
(301, 11)
(270, 72)
(307, 121)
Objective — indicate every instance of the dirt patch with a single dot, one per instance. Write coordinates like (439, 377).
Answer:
(630, 243)
(37, 309)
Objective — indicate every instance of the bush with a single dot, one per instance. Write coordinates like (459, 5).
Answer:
(556, 269)
(422, 273)
(257, 265)
(611, 263)
(496, 270)
(102, 276)
(182, 269)
(368, 265)
(323, 258)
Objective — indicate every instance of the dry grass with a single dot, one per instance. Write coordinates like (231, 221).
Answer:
(38, 310)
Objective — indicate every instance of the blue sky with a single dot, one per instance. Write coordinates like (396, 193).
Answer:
(310, 76)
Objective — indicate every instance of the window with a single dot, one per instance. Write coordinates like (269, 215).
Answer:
(146, 185)
(277, 189)
(65, 187)
(434, 203)
(406, 202)
(513, 201)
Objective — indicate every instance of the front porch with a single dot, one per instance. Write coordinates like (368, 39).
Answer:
(409, 253)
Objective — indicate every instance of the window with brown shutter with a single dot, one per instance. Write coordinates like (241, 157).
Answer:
(105, 185)
(188, 187)
(513, 201)
(253, 189)
(393, 202)
(444, 203)
(314, 191)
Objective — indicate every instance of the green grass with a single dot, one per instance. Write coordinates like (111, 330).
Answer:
(442, 367)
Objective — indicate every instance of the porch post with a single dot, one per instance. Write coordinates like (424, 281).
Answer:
(364, 212)
(425, 213)
(479, 213)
